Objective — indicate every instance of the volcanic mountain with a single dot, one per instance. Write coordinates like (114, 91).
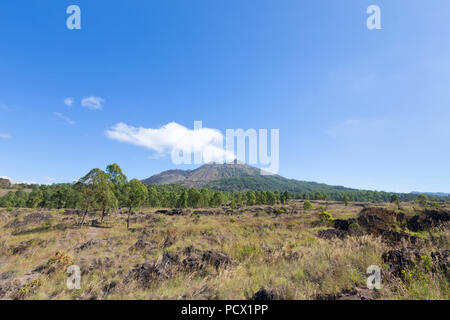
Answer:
(203, 175)
(235, 177)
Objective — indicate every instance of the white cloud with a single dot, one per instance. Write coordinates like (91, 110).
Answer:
(93, 103)
(63, 117)
(69, 101)
(5, 136)
(50, 179)
(172, 137)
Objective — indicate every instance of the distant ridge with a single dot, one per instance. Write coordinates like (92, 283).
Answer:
(436, 194)
(5, 183)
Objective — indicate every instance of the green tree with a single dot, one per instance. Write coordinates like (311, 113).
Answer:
(60, 198)
(236, 200)
(261, 197)
(106, 199)
(115, 174)
(103, 188)
(194, 197)
(284, 197)
(21, 198)
(217, 199)
(182, 201)
(171, 198)
(395, 199)
(135, 196)
(271, 199)
(345, 199)
(153, 197)
(205, 197)
(118, 179)
(251, 197)
(35, 198)
(423, 199)
(277, 197)
(94, 188)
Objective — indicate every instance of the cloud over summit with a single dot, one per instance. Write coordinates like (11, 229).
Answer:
(174, 137)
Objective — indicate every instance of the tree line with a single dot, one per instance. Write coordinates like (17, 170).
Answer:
(109, 190)
(307, 190)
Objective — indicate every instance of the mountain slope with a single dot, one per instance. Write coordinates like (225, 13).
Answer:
(202, 175)
(242, 177)
(271, 183)
(236, 177)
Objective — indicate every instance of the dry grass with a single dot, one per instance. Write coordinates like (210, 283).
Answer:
(281, 253)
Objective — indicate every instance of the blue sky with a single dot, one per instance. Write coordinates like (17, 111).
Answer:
(360, 108)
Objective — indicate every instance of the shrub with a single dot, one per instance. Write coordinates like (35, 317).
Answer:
(27, 288)
(427, 262)
(422, 199)
(307, 205)
(281, 210)
(325, 216)
(355, 226)
(47, 224)
(435, 205)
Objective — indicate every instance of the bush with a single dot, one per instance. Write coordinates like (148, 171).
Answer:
(427, 262)
(435, 205)
(355, 226)
(27, 288)
(47, 224)
(423, 199)
(281, 210)
(307, 205)
(325, 216)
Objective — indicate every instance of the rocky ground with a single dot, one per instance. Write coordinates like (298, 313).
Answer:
(258, 252)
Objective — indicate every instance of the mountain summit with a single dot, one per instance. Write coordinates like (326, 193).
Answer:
(204, 174)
